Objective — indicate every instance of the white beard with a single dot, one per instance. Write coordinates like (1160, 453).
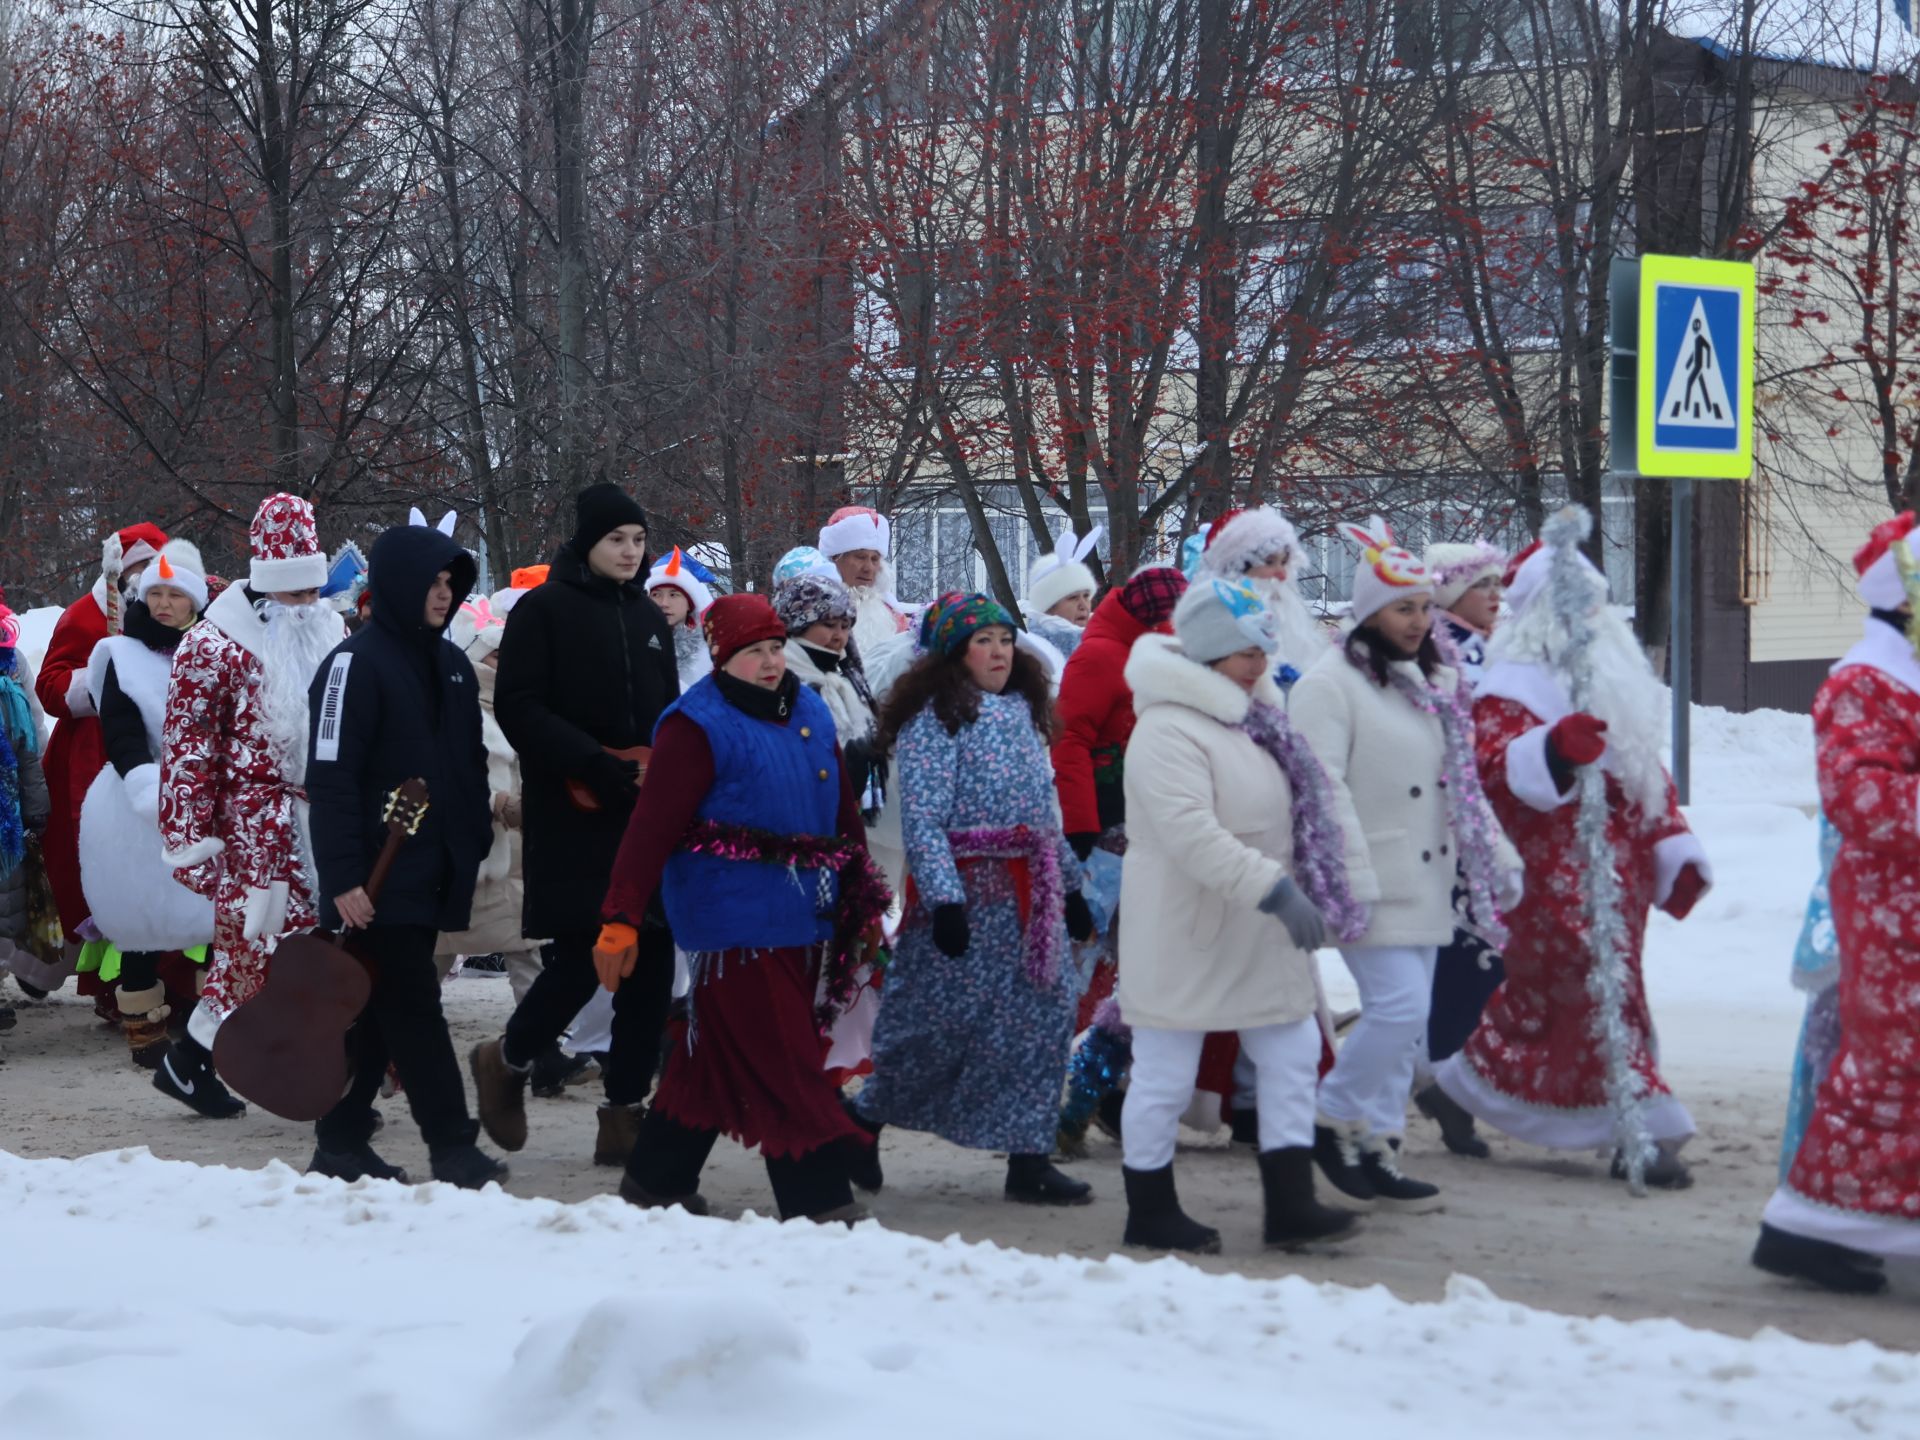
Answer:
(1302, 638)
(1623, 691)
(298, 639)
(874, 620)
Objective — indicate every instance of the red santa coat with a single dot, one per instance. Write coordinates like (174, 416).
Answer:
(77, 753)
(1535, 1067)
(1096, 718)
(1856, 1178)
(231, 818)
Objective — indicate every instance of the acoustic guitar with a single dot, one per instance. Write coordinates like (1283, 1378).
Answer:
(285, 1049)
(581, 794)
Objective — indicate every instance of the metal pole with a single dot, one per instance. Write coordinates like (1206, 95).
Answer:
(1680, 641)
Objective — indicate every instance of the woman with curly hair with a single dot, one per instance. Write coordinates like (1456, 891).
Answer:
(977, 1016)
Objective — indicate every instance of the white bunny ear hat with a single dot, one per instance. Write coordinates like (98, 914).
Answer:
(447, 521)
(1385, 572)
(1065, 572)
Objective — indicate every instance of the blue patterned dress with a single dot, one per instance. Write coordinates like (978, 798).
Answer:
(1816, 972)
(969, 1048)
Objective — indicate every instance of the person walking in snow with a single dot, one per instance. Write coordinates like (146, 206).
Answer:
(587, 668)
(977, 1014)
(137, 903)
(1234, 838)
(1388, 720)
(396, 702)
(749, 831)
(232, 770)
(1535, 1067)
(1851, 1198)
(682, 599)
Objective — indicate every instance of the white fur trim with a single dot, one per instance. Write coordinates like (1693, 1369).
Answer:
(143, 791)
(233, 615)
(183, 579)
(180, 551)
(1668, 1122)
(1529, 775)
(204, 1024)
(130, 887)
(1531, 579)
(1372, 594)
(294, 572)
(1885, 649)
(79, 697)
(1670, 857)
(142, 675)
(1881, 586)
(686, 582)
(1249, 538)
(861, 530)
(1159, 673)
(196, 853)
(1052, 581)
(1885, 1235)
(143, 1002)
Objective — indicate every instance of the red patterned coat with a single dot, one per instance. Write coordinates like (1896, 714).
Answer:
(231, 809)
(1856, 1178)
(1534, 1067)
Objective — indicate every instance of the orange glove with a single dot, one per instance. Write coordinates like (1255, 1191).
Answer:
(614, 953)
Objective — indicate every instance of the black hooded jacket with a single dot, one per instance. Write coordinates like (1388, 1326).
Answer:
(393, 702)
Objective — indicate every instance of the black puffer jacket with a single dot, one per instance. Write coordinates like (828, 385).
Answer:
(396, 700)
(586, 665)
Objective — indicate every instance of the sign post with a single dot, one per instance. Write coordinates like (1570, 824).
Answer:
(1683, 411)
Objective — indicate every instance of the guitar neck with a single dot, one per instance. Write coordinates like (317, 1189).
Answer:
(396, 837)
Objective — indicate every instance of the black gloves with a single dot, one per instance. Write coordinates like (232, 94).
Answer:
(951, 933)
(611, 779)
(1079, 917)
(1083, 843)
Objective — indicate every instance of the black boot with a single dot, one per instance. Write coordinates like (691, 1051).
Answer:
(863, 1160)
(555, 1070)
(467, 1166)
(1294, 1216)
(1455, 1122)
(1034, 1180)
(1665, 1171)
(1155, 1220)
(634, 1193)
(1106, 1116)
(360, 1162)
(1393, 1189)
(1820, 1262)
(1336, 1150)
(185, 1073)
(1245, 1128)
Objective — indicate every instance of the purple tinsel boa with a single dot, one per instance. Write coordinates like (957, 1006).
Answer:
(1319, 846)
(1047, 899)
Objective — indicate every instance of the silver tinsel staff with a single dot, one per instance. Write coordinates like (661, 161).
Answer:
(1570, 590)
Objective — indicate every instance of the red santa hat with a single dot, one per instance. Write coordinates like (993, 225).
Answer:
(1385, 572)
(673, 574)
(1877, 564)
(855, 527)
(183, 577)
(139, 543)
(285, 544)
(1242, 539)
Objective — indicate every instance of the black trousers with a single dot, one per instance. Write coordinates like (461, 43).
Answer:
(668, 1157)
(402, 1025)
(567, 981)
(139, 969)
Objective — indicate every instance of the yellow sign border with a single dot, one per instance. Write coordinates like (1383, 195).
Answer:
(1655, 461)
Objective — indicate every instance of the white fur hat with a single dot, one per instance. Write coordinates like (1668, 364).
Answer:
(855, 527)
(1527, 576)
(1456, 569)
(1241, 539)
(1064, 572)
(1384, 572)
(672, 573)
(180, 566)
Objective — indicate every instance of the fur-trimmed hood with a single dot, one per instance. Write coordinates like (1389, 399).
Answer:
(1159, 673)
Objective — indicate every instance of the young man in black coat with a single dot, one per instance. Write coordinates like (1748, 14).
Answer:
(585, 668)
(397, 701)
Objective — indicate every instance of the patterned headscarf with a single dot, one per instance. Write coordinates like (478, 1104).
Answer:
(961, 618)
(1151, 594)
(807, 599)
(931, 616)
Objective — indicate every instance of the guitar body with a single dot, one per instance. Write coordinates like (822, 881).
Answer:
(581, 794)
(285, 1049)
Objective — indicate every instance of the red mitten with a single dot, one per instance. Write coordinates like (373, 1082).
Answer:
(1688, 886)
(1578, 739)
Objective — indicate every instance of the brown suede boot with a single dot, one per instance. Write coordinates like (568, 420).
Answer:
(144, 1022)
(500, 1094)
(619, 1132)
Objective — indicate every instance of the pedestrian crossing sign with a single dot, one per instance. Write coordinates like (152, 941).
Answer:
(1695, 368)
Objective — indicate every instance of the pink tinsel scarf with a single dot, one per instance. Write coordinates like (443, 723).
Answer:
(1040, 849)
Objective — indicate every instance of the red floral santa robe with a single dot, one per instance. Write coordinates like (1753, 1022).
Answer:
(1534, 1067)
(1856, 1178)
(230, 814)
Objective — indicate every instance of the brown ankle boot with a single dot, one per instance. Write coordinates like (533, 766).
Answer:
(144, 1021)
(619, 1132)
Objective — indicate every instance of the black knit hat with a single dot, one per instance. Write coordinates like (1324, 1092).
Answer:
(599, 510)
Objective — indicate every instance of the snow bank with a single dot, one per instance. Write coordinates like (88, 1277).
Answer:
(307, 1308)
(36, 632)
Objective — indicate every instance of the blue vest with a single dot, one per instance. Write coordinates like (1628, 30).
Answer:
(779, 778)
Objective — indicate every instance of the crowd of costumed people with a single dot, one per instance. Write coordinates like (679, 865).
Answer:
(811, 866)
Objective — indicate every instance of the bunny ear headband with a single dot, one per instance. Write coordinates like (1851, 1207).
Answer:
(445, 527)
(1390, 562)
(1070, 551)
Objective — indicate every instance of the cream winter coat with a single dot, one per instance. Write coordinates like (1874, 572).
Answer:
(1385, 759)
(1209, 832)
(501, 887)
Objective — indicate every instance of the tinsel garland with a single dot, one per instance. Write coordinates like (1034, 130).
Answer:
(1047, 896)
(863, 893)
(1098, 1067)
(1319, 845)
(1570, 590)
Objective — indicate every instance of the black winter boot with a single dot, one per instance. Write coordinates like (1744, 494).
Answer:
(1336, 1150)
(863, 1161)
(1455, 1122)
(555, 1070)
(634, 1193)
(1294, 1216)
(1106, 1115)
(185, 1073)
(1820, 1262)
(1393, 1189)
(1034, 1180)
(1155, 1220)
(359, 1163)
(468, 1167)
(1244, 1126)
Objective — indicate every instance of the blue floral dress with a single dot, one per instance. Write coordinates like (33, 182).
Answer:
(1816, 972)
(968, 1047)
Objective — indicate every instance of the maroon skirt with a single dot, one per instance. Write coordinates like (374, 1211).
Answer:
(753, 1064)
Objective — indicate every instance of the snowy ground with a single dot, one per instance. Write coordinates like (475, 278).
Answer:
(264, 1299)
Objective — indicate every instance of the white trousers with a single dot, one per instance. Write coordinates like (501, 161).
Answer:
(1167, 1062)
(1373, 1073)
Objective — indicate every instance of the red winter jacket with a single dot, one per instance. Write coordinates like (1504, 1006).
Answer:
(1096, 717)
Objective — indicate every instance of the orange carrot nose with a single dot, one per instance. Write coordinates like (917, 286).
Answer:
(166, 570)
(673, 563)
